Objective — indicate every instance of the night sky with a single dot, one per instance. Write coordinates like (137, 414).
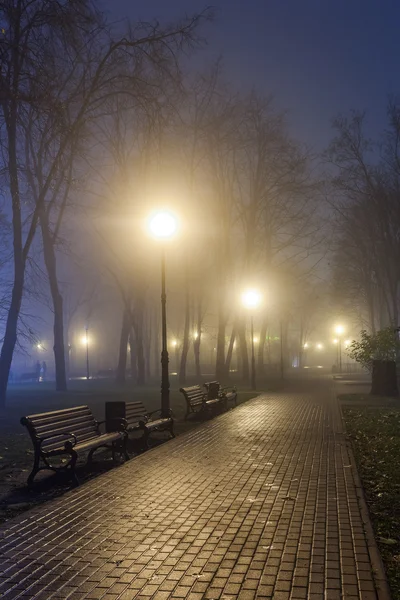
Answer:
(317, 57)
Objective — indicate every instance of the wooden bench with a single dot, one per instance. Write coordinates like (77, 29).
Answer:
(133, 416)
(197, 401)
(70, 432)
(215, 390)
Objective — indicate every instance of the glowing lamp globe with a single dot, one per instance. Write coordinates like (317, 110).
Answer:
(251, 298)
(339, 329)
(163, 225)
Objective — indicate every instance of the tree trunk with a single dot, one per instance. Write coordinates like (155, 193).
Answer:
(197, 341)
(120, 375)
(301, 344)
(58, 327)
(230, 351)
(141, 363)
(185, 343)
(244, 356)
(133, 356)
(261, 346)
(20, 253)
(220, 372)
(10, 336)
(148, 349)
(196, 351)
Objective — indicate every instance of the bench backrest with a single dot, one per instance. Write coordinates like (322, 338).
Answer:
(53, 425)
(194, 395)
(213, 389)
(133, 412)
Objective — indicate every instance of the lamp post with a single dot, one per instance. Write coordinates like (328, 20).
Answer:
(85, 342)
(162, 226)
(339, 330)
(305, 347)
(251, 300)
(336, 342)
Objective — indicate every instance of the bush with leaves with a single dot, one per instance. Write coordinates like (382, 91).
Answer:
(383, 345)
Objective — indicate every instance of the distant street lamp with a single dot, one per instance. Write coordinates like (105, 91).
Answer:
(163, 226)
(303, 353)
(85, 342)
(251, 300)
(339, 330)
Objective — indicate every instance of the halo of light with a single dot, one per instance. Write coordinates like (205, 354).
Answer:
(163, 225)
(251, 298)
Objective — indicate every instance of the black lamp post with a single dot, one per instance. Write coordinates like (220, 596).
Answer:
(339, 329)
(87, 352)
(163, 226)
(165, 408)
(251, 299)
(253, 358)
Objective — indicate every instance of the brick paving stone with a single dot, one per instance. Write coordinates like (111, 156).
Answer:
(261, 502)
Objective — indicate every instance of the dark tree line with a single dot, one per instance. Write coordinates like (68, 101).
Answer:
(366, 202)
(103, 123)
(62, 63)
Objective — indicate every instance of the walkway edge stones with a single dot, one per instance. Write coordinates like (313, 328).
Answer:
(379, 574)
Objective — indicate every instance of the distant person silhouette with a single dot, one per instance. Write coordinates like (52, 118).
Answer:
(37, 371)
(44, 370)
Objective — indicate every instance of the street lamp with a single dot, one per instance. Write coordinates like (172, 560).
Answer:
(162, 226)
(339, 330)
(251, 300)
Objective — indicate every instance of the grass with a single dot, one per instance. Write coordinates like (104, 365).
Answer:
(375, 436)
(16, 448)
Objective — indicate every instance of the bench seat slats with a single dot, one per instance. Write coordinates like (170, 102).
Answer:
(74, 421)
(79, 428)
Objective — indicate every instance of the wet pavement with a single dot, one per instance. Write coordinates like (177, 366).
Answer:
(261, 502)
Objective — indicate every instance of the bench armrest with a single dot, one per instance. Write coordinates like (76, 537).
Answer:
(55, 435)
(153, 412)
(228, 388)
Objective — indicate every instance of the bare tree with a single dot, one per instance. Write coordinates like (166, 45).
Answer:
(91, 67)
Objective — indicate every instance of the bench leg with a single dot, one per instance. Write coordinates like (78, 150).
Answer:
(171, 429)
(123, 450)
(146, 435)
(90, 456)
(72, 472)
(34, 472)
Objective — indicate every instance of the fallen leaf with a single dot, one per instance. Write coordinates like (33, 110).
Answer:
(387, 541)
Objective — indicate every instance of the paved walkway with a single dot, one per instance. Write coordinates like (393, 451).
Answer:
(261, 502)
